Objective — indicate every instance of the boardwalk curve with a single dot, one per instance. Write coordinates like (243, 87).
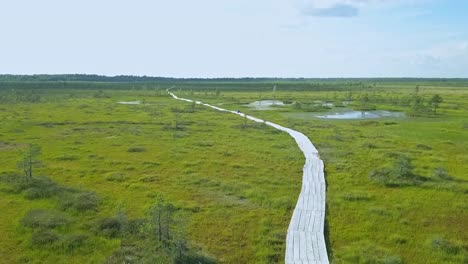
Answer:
(305, 240)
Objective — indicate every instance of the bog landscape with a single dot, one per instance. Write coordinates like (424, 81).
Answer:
(98, 169)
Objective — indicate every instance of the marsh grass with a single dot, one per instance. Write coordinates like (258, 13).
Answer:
(235, 182)
(92, 171)
(412, 169)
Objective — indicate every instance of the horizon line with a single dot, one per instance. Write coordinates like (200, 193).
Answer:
(225, 77)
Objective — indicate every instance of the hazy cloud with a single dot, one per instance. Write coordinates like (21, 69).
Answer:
(338, 10)
(449, 58)
(333, 8)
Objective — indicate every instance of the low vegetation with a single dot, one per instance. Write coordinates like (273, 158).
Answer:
(174, 182)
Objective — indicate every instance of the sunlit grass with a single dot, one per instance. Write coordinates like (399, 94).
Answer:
(234, 185)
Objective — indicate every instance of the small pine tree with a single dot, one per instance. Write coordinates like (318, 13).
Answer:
(29, 160)
(435, 101)
(161, 220)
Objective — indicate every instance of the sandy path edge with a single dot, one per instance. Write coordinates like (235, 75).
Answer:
(305, 240)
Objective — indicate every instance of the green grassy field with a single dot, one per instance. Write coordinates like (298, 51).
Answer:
(220, 176)
(371, 222)
(234, 184)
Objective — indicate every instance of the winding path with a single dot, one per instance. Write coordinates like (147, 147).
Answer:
(305, 241)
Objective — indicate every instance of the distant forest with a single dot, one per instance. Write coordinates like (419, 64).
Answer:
(124, 82)
(148, 79)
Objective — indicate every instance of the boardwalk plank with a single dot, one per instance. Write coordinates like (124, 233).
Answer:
(302, 246)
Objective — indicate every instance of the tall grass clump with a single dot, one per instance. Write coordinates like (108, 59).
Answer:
(446, 246)
(34, 188)
(400, 174)
(79, 201)
(44, 219)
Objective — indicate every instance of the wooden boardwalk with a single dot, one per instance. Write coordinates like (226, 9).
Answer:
(305, 241)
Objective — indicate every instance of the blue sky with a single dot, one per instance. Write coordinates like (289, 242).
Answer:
(221, 38)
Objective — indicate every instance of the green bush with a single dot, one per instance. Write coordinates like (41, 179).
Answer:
(41, 188)
(34, 188)
(441, 173)
(369, 145)
(134, 226)
(136, 149)
(423, 147)
(356, 197)
(67, 157)
(115, 177)
(80, 201)
(72, 242)
(403, 168)
(127, 254)
(193, 258)
(381, 175)
(401, 174)
(446, 246)
(39, 218)
(109, 227)
(43, 237)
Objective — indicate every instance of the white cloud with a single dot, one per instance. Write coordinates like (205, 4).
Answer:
(333, 8)
(445, 52)
(344, 8)
(448, 59)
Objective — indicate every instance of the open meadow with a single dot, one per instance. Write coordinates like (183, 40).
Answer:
(122, 172)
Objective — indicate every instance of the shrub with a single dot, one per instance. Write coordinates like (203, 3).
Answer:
(109, 227)
(117, 177)
(446, 246)
(126, 254)
(423, 147)
(192, 258)
(149, 179)
(403, 167)
(100, 94)
(129, 168)
(149, 164)
(72, 242)
(80, 201)
(36, 193)
(66, 157)
(381, 175)
(369, 145)
(399, 239)
(34, 188)
(43, 237)
(39, 218)
(441, 174)
(205, 144)
(355, 197)
(136, 149)
(134, 226)
(388, 123)
(400, 174)
(40, 188)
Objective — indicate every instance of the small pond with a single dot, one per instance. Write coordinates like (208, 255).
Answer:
(265, 104)
(348, 115)
(130, 103)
